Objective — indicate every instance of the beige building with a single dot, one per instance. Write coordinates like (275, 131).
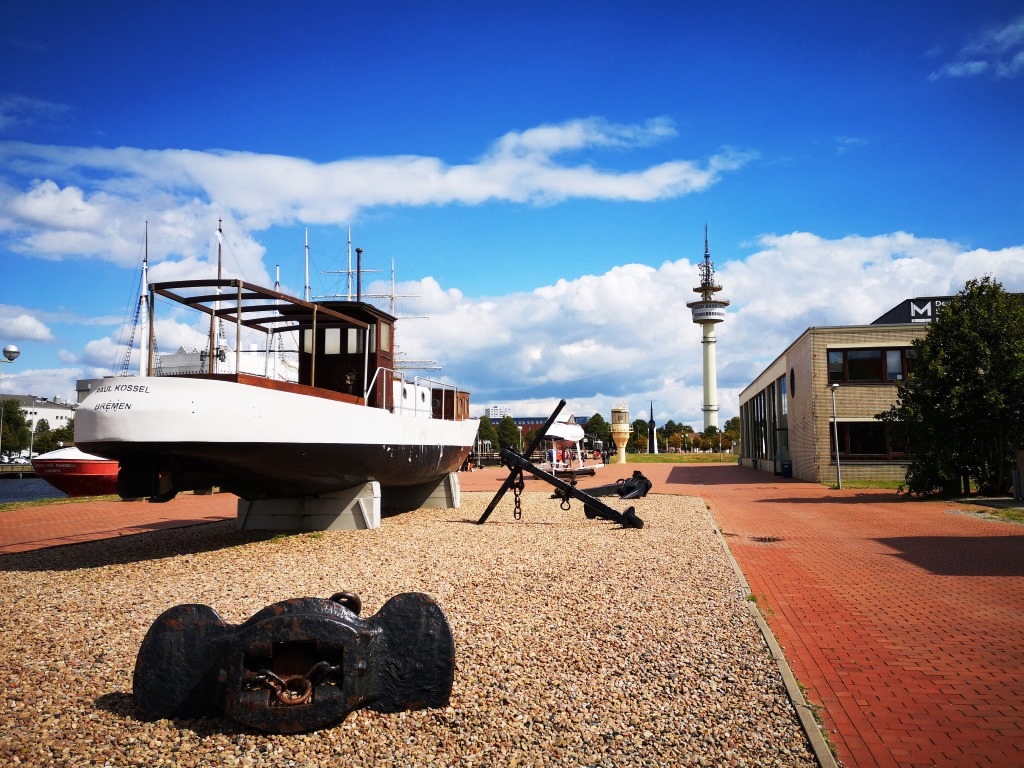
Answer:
(786, 413)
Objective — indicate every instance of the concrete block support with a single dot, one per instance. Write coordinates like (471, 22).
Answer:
(353, 509)
(443, 494)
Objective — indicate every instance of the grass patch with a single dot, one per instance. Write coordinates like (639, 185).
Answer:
(886, 485)
(681, 458)
(762, 604)
(1015, 515)
(9, 505)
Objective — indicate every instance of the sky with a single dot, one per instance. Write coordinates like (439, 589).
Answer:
(539, 176)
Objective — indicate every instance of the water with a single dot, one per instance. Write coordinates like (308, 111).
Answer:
(27, 489)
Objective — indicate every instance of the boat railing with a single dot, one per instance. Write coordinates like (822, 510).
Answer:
(443, 388)
(424, 389)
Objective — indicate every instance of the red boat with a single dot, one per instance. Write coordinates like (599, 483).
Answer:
(77, 473)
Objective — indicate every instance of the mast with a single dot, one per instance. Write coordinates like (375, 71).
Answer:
(143, 309)
(306, 295)
(359, 274)
(392, 286)
(214, 316)
(349, 286)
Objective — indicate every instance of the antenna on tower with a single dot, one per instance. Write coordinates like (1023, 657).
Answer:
(707, 269)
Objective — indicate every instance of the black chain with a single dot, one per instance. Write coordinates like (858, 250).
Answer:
(292, 690)
(566, 495)
(517, 491)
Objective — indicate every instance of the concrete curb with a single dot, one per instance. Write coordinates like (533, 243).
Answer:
(804, 711)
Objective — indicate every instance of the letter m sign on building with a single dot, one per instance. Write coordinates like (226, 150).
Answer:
(920, 310)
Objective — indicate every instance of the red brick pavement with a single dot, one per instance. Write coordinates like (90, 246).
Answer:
(902, 619)
(50, 525)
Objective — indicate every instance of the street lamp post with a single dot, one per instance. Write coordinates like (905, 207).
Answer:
(11, 353)
(835, 433)
(32, 436)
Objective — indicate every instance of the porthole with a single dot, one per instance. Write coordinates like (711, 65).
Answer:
(405, 393)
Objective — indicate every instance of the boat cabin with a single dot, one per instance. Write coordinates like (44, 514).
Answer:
(345, 348)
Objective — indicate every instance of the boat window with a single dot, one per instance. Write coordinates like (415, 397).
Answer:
(355, 336)
(307, 341)
(385, 337)
(332, 341)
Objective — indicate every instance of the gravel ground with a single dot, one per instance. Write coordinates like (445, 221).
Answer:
(577, 643)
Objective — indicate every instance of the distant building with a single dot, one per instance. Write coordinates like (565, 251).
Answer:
(526, 423)
(786, 416)
(57, 412)
(497, 412)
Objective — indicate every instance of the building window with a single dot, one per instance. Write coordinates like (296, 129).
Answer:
(864, 440)
(864, 365)
(869, 365)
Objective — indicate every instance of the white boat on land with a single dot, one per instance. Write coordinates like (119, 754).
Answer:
(350, 419)
(564, 456)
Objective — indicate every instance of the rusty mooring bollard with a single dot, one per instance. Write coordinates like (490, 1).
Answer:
(298, 665)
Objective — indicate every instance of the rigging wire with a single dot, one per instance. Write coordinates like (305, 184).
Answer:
(131, 308)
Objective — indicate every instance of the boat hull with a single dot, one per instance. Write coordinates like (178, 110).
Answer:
(77, 473)
(175, 433)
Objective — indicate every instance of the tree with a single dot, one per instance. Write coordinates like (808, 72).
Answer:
(508, 434)
(65, 434)
(530, 435)
(45, 438)
(15, 433)
(599, 429)
(960, 412)
(638, 439)
(487, 432)
(731, 433)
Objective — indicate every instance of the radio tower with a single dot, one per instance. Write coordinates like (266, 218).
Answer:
(707, 311)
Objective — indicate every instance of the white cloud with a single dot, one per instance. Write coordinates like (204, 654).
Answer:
(60, 202)
(845, 143)
(998, 50)
(22, 327)
(43, 382)
(17, 110)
